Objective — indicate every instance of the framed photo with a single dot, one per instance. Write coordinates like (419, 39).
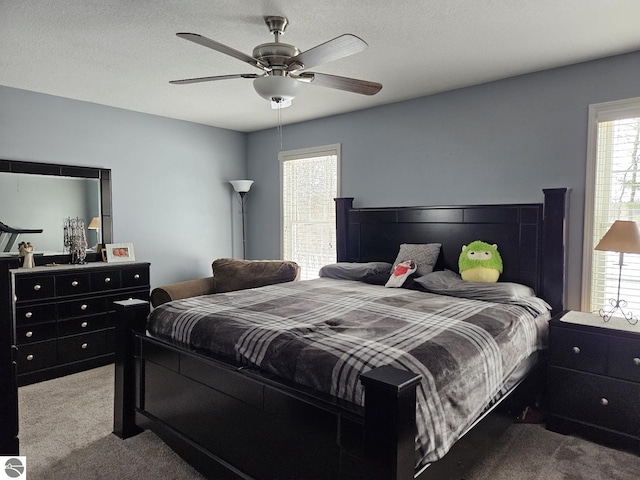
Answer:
(119, 252)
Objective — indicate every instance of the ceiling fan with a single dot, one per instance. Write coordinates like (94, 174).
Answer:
(284, 66)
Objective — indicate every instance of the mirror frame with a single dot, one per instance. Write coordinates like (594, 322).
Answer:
(102, 174)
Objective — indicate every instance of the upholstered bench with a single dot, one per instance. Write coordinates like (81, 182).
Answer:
(228, 275)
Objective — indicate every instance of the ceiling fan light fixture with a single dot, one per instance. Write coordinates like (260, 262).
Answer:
(279, 90)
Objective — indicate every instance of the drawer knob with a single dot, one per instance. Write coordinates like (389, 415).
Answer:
(83, 306)
(84, 346)
(576, 350)
(84, 324)
(136, 276)
(636, 361)
(28, 334)
(28, 315)
(37, 287)
(107, 279)
(29, 357)
(74, 283)
(604, 402)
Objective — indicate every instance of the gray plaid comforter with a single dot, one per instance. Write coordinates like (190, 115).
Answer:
(324, 333)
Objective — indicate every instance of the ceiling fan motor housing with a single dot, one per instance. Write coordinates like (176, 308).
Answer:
(276, 88)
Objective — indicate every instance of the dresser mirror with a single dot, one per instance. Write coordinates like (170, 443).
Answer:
(38, 196)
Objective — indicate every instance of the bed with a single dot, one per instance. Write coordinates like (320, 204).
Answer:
(245, 408)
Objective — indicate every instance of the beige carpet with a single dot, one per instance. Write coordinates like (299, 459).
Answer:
(65, 433)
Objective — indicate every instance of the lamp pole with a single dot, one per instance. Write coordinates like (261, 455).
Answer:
(244, 238)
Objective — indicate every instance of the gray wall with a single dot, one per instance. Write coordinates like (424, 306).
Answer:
(494, 143)
(171, 198)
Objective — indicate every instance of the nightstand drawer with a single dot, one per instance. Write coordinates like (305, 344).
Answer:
(578, 350)
(35, 314)
(36, 356)
(79, 347)
(35, 333)
(596, 400)
(624, 359)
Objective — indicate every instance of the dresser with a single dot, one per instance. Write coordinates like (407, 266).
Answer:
(64, 315)
(594, 379)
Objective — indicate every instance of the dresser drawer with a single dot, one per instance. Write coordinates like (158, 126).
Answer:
(82, 325)
(105, 280)
(624, 358)
(35, 314)
(80, 347)
(80, 308)
(35, 356)
(597, 400)
(578, 350)
(73, 284)
(135, 276)
(35, 333)
(34, 288)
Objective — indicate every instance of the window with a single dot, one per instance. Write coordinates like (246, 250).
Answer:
(309, 180)
(612, 193)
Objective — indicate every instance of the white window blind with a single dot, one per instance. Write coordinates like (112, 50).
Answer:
(310, 182)
(613, 193)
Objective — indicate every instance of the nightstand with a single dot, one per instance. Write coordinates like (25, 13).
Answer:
(594, 379)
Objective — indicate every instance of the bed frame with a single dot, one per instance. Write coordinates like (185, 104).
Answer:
(234, 422)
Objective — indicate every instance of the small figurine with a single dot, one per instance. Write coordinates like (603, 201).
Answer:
(26, 251)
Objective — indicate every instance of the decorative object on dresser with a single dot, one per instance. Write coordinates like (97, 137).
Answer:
(594, 379)
(64, 315)
(622, 237)
(75, 239)
(120, 252)
(242, 188)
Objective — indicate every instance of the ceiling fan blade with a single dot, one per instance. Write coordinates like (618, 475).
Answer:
(211, 79)
(219, 47)
(339, 47)
(354, 85)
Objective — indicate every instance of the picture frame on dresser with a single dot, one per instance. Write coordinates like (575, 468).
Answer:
(119, 252)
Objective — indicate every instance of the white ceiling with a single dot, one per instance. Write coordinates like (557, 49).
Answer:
(122, 53)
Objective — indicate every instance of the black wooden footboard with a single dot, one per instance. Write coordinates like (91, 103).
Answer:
(229, 422)
(267, 429)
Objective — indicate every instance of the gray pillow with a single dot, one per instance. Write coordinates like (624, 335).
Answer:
(354, 271)
(424, 255)
(446, 282)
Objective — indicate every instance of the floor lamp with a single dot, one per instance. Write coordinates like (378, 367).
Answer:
(622, 237)
(242, 188)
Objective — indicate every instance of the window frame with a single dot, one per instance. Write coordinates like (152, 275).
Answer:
(297, 154)
(598, 112)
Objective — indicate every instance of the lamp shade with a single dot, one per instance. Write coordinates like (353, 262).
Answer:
(277, 88)
(94, 224)
(241, 186)
(623, 236)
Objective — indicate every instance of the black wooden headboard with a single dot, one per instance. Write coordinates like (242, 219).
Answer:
(530, 237)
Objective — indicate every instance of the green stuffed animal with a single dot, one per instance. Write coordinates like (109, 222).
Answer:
(480, 262)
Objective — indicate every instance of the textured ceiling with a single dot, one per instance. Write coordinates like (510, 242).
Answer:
(122, 53)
